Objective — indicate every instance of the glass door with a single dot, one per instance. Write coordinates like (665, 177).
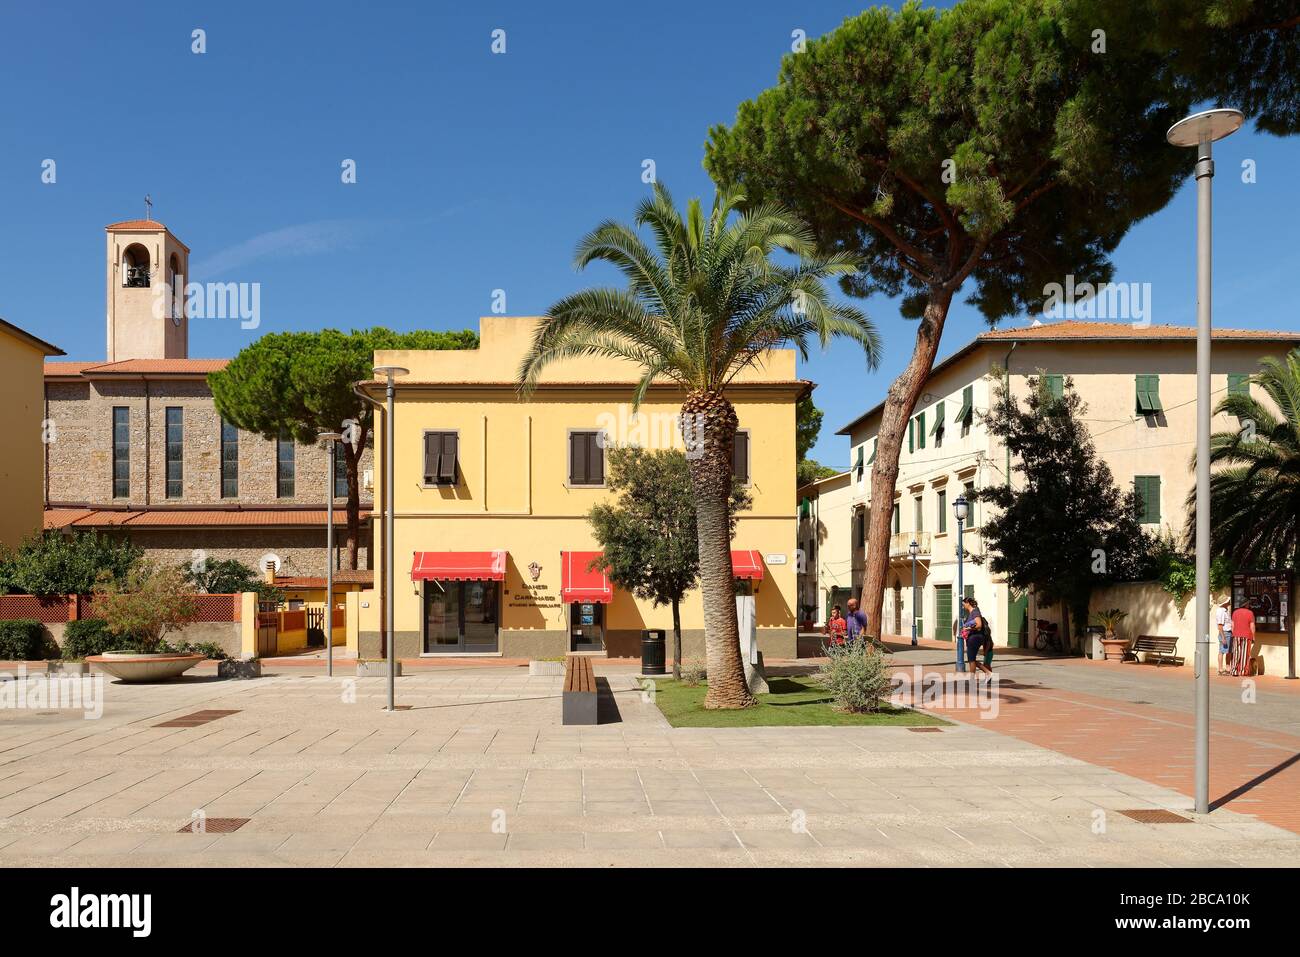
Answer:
(461, 617)
(441, 617)
(586, 626)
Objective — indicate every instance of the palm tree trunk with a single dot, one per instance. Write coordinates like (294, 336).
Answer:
(899, 403)
(709, 422)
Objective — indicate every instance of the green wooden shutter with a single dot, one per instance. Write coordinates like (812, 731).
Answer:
(1148, 394)
(911, 435)
(858, 466)
(920, 431)
(939, 421)
(1055, 385)
(875, 444)
(942, 613)
(1238, 383)
(1147, 488)
(967, 409)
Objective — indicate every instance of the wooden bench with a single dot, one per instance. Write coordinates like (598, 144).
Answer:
(578, 703)
(1161, 647)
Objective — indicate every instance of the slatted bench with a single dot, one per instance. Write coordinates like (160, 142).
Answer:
(1161, 647)
(578, 704)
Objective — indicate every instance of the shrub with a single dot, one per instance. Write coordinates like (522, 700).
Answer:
(208, 649)
(856, 676)
(90, 636)
(230, 576)
(694, 672)
(56, 564)
(22, 639)
(153, 602)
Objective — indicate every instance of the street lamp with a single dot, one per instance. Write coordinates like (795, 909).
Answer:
(960, 509)
(391, 373)
(913, 550)
(1201, 130)
(329, 438)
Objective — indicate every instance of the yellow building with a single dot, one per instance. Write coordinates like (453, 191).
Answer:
(492, 541)
(22, 467)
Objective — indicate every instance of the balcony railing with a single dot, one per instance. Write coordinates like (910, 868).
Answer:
(901, 541)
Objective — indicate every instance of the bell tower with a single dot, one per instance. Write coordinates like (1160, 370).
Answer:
(147, 268)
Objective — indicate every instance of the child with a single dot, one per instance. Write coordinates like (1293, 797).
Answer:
(836, 627)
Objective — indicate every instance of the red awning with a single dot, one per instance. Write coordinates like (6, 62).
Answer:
(578, 584)
(747, 564)
(459, 566)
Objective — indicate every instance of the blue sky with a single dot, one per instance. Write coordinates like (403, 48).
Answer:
(475, 171)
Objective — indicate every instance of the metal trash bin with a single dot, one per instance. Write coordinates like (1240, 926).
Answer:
(652, 651)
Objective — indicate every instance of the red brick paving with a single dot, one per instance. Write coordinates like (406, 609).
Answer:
(1252, 770)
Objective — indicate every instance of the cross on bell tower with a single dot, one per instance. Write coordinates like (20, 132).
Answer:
(148, 207)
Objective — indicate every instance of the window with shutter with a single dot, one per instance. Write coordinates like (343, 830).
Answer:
(1148, 395)
(939, 423)
(1147, 489)
(875, 444)
(1055, 385)
(967, 410)
(441, 457)
(943, 510)
(920, 431)
(1238, 384)
(740, 458)
(586, 459)
(859, 466)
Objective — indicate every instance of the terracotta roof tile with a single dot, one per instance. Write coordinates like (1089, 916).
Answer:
(137, 367)
(1079, 329)
(136, 224)
(190, 518)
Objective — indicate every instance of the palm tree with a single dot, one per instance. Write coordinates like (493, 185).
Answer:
(706, 303)
(1255, 494)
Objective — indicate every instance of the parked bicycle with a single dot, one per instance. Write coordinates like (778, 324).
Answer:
(1047, 636)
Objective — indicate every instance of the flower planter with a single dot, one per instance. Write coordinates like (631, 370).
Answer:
(133, 667)
(545, 668)
(377, 669)
(1116, 648)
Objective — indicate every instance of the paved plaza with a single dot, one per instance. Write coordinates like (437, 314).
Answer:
(477, 770)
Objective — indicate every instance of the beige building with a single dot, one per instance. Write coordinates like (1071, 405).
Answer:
(140, 450)
(827, 539)
(21, 359)
(492, 539)
(1139, 385)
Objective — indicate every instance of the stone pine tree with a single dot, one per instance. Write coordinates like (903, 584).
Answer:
(999, 145)
(300, 384)
(1060, 525)
(647, 534)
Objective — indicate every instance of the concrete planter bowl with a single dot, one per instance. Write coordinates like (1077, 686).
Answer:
(135, 668)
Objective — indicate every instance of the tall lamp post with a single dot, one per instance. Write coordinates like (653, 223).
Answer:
(329, 438)
(391, 373)
(913, 550)
(1201, 130)
(960, 509)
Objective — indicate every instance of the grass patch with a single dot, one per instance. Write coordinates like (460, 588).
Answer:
(794, 701)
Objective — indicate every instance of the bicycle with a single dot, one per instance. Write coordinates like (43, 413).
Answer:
(1047, 636)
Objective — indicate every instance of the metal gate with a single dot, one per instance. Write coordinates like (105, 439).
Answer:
(268, 632)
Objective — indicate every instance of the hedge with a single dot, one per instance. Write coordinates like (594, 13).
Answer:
(22, 639)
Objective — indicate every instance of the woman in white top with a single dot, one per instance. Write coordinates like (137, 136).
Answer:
(1223, 618)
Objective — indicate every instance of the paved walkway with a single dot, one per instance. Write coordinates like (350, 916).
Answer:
(479, 771)
(1140, 720)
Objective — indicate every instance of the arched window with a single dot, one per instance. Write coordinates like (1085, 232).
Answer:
(135, 266)
(175, 287)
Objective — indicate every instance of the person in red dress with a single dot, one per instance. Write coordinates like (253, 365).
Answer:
(1243, 637)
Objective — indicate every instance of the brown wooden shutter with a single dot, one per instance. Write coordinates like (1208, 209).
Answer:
(447, 461)
(577, 458)
(740, 457)
(595, 460)
(431, 449)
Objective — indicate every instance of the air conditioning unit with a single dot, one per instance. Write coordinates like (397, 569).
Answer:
(368, 481)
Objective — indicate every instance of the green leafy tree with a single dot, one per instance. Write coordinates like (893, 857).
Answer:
(300, 384)
(1255, 482)
(650, 546)
(703, 305)
(229, 576)
(50, 563)
(1062, 527)
(993, 142)
(150, 603)
(807, 426)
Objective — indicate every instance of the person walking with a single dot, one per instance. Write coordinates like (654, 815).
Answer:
(1243, 636)
(856, 622)
(976, 633)
(1223, 620)
(836, 627)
